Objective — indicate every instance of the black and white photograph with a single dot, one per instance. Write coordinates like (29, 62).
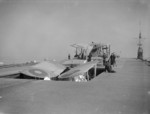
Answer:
(74, 57)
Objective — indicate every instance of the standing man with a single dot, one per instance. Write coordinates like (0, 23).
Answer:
(108, 64)
(113, 59)
(69, 56)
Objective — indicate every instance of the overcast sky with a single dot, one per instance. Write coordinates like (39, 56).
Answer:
(38, 29)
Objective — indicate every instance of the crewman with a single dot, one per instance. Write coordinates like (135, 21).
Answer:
(89, 57)
(113, 59)
(107, 64)
(69, 57)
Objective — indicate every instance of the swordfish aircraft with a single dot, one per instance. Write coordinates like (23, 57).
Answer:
(26, 96)
(50, 70)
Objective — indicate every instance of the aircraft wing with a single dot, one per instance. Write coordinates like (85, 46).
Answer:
(44, 69)
(80, 45)
(88, 47)
(78, 70)
(11, 71)
(41, 70)
(73, 62)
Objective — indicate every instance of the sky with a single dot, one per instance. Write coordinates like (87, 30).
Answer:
(39, 29)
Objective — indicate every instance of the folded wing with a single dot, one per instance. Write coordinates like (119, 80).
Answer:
(44, 69)
(78, 70)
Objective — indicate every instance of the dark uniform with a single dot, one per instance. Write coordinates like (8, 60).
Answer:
(113, 59)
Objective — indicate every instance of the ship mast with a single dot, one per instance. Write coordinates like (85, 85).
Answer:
(140, 46)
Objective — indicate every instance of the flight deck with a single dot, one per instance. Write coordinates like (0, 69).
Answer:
(125, 92)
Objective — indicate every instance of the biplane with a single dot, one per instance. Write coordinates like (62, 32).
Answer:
(48, 70)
